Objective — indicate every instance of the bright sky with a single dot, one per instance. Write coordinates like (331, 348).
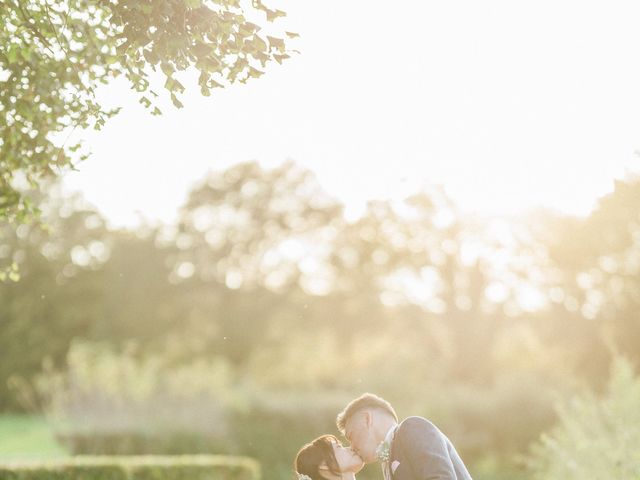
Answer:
(508, 104)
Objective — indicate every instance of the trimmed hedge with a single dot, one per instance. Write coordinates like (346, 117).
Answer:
(178, 467)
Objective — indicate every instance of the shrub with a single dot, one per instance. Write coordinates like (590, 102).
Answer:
(596, 437)
(192, 467)
(123, 393)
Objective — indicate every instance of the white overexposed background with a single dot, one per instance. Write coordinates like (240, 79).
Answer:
(508, 104)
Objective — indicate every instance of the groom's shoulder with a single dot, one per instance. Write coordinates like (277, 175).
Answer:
(416, 432)
(415, 424)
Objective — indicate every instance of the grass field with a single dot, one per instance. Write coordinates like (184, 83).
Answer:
(27, 436)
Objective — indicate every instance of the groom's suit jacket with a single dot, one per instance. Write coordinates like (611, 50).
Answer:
(420, 451)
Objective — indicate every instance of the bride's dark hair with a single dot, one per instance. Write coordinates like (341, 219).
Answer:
(314, 454)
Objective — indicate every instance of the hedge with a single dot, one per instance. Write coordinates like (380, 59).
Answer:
(151, 467)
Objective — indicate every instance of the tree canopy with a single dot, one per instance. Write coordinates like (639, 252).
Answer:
(55, 53)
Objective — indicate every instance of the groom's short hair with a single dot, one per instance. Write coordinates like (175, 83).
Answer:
(368, 400)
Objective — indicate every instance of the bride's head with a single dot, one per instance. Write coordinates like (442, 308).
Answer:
(326, 459)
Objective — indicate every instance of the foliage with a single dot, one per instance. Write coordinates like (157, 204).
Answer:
(199, 467)
(59, 265)
(108, 402)
(54, 54)
(595, 264)
(264, 292)
(240, 225)
(115, 392)
(597, 437)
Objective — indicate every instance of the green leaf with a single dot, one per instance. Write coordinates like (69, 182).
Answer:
(255, 73)
(259, 43)
(280, 58)
(175, 101)
(167, 68)
(276, 43)
(274, 14)
(12, 53)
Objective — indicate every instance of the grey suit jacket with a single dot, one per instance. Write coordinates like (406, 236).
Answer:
(420, 451)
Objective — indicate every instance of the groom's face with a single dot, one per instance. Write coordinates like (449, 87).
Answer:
(360, 433)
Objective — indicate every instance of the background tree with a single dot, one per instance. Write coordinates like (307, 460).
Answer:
(61, 265)
(595, 264)
(265, 290)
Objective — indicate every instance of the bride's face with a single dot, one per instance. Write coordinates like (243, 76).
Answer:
(348, 460)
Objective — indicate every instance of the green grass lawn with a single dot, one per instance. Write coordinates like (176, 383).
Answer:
(27, 436)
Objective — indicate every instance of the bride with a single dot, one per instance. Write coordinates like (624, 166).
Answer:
(326, 459)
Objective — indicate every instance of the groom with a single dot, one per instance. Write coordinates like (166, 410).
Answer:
(411, 450)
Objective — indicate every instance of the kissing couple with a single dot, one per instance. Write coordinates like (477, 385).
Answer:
(414, 449)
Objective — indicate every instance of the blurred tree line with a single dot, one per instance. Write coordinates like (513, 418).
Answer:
(479, 323)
